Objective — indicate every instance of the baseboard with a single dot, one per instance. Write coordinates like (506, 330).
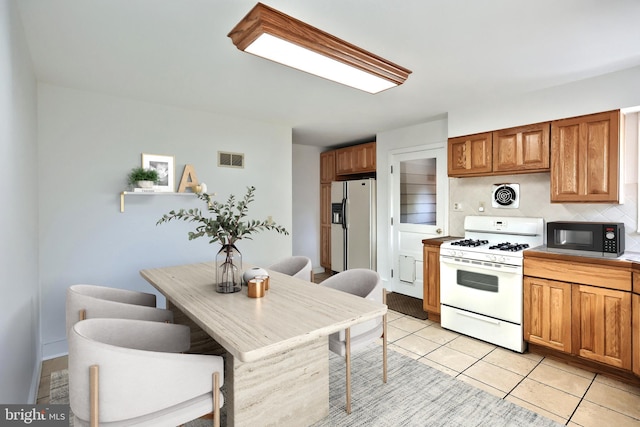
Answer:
(35, 381)
(54, 349)
(318, 270)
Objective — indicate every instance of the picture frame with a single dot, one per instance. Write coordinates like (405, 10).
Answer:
(165, 166)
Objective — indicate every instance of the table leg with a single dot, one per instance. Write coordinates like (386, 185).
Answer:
(287, 389)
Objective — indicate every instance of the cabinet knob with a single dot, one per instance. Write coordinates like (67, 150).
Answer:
(439, 230)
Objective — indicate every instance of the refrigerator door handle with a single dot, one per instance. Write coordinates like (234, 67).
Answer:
(344, 214)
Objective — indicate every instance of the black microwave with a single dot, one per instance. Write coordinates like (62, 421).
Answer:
(605, 238)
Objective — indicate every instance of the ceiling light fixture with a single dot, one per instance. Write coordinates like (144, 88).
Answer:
(274, 35)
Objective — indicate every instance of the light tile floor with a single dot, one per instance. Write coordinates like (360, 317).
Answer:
(566, 394)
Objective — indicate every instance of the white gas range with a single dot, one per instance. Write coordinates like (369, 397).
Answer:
(481, 278)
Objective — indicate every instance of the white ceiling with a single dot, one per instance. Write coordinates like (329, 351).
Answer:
(177, 52)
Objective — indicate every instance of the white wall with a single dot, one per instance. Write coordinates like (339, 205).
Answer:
(20, 306)
(306, 203)
(432, 132)
(87, 145)
(607, 92)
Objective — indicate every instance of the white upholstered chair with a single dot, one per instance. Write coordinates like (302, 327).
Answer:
(296, 266)
(366, 284)
(125, 372)
(92, 301)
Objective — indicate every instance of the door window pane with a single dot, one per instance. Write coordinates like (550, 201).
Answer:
(418, 191)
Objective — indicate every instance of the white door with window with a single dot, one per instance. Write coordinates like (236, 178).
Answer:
(419, 188)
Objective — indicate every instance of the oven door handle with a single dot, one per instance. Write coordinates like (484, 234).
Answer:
(477, 317)
(485, 265)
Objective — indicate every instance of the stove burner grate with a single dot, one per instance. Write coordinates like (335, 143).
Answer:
(510, 247)
(469, 243)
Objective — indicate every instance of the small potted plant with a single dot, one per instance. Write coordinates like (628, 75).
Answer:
(143, 178)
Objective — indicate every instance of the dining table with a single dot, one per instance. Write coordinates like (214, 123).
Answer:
(275, 347)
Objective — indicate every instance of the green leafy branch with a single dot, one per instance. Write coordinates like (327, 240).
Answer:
(226, 223)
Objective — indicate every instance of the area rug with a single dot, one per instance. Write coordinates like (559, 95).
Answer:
(406, 305)
(414, 395)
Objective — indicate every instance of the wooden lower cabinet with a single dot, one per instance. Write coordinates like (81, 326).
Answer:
(547, 313)
(602, 325)
(635, 328)
(588, 321)
(431, 280)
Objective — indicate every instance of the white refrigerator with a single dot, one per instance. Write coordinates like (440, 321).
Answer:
(353, 224)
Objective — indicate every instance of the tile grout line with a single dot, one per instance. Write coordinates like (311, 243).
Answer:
(582, 398)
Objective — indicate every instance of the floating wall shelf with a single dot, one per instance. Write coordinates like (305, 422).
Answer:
(158, 193)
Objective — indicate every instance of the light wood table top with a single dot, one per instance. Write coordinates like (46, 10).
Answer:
(292, 312)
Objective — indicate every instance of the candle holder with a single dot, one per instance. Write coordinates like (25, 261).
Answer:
(255, 288)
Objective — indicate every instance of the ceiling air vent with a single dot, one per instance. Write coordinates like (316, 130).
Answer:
(231, 160)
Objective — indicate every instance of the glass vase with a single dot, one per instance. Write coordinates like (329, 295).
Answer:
(228, 270)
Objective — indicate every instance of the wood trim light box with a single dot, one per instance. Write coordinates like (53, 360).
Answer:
(271, 34)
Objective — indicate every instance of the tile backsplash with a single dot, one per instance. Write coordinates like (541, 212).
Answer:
(470, 193)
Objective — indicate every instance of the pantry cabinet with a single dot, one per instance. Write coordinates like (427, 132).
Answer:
(327, 175)
(327, 167)
(579, 306)
(585, 158)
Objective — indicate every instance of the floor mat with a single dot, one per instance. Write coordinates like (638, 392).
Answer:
(407, 305)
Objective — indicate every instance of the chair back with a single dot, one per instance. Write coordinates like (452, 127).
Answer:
(364, 283)
(106, 302)
(296, 266)
(141, 375)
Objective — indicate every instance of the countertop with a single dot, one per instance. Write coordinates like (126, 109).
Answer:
(628, 259)
(437, 241)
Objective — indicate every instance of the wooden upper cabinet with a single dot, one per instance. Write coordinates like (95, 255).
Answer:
(585, 158)
(327, 167)
(522, 149)
(470, 155)
(364, 157)
(356, 159)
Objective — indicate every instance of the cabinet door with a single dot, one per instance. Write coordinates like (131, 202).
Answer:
(364, 157)
(344, 161)
(327, 167)
(602, 325)
(635, 328)
(431, 279)
(522, 149)
(469, 155)
(325, 246)
(325, 225)
(325, 204)
(585, 158)
(547, 313)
